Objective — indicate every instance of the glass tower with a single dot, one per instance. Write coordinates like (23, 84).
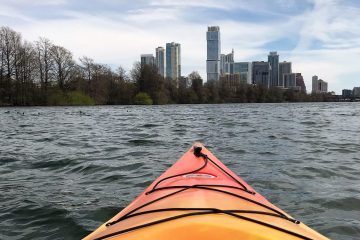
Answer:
(213, 53)
(173, 61)
(245, 71)
(147, 59)
(273, 60)
(160, 60)
(315, 84)
(284, 68)
(261, 73)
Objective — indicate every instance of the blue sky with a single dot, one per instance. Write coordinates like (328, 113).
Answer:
(320, 37)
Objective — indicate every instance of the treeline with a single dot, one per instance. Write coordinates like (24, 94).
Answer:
(43, 73)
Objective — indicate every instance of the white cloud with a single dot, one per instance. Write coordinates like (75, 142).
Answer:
(34, 2)
(225, 4)
(149, 15)
(10, 12)
(334, 26)
(120, 38)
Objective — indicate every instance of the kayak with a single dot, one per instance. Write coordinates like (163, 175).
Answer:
(200, 198)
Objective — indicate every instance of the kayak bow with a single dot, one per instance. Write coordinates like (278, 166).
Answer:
(200, 198)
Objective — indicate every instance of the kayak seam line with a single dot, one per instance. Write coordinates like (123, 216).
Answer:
(225, 192)
(203, 213)
(198, 187)
(212, 209)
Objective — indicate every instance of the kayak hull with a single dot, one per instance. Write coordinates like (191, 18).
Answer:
(211, 203)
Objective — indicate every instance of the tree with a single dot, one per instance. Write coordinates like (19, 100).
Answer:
(63, 64)
(9, 44)
(87, 69)
(143, 98)
(148, 80)
(26, 90)
(213, 91)
(124, 87)
(197, 86)
(44, 65)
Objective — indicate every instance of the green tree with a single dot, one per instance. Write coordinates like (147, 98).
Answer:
(143, 98)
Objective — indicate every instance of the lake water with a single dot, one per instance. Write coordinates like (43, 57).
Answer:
(66, 170)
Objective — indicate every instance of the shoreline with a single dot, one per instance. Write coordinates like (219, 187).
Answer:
(180, 104)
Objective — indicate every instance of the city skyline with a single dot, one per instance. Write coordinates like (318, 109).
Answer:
(312, 34)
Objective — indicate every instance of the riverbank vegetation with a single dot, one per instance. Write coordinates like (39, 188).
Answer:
(43, 73)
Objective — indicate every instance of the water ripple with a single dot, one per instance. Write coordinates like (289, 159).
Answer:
(66, 170)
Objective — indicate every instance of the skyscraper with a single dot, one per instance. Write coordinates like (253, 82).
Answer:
(322, 86)
(347, 93)
(289, 80)
(356, 92)
(261, 73)
(226, 63)
(147, 59)
(315, 84)
(284, 68)
(273, 60)
(319, 85)
(213, 53)
(173, 61)
(300, 82)
(160, 60)
(244, 69)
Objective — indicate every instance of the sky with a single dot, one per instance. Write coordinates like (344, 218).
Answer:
(319, 37)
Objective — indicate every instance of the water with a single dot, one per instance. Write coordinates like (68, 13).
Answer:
(66, 170)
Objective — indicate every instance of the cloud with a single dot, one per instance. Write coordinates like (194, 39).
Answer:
(148, 15)
(329, 43)
(8, 13)
(225, 4)
(322, 37)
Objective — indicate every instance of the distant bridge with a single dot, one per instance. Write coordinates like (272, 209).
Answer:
(340, 98)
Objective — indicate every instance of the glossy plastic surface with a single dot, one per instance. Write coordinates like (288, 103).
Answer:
(209, 226)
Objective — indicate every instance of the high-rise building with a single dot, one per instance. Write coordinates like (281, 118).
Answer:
(322, 86)
(213, 53)
(319, 85)
(226, 63)
(289, 80)
(300, 82)
(147, 59)
(160, 60)
(273, 60)
(284, 68)
(315, 84)
(346, 93)
(173, 61)
(245, 71)
(261, 73)
(356, 92)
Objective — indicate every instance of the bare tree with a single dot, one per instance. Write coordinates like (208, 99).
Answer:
(10, 43)
(63, 64)
(8, 49)
(44, 64)
(121, 74)
(88, 70)
(26, 70)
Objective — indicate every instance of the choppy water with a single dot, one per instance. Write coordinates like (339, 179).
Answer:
(66, 170)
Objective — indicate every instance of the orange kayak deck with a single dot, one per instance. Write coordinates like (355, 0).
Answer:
(200, 198)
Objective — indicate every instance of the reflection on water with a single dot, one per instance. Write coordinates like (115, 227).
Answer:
(66, 170)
